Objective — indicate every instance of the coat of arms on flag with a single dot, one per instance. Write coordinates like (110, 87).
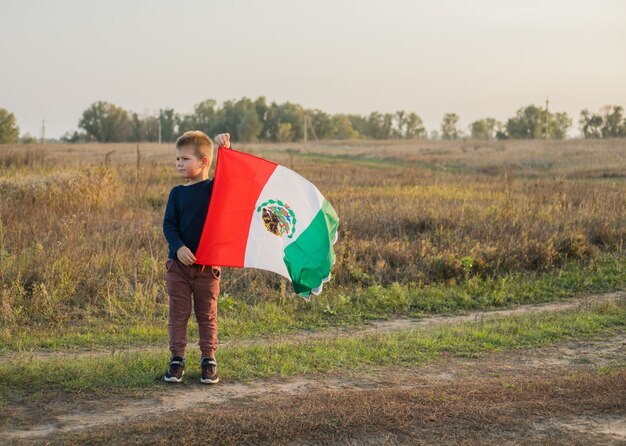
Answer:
(278, 217)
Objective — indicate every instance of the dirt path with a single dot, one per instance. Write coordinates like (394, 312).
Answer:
(509, 368)
(78, 417)
(383, 326)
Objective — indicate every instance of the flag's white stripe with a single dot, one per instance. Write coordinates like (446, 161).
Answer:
(264, 250)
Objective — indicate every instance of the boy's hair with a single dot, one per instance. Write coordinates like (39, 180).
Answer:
(202, 144)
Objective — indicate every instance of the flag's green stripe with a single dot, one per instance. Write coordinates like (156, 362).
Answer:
(310, 257)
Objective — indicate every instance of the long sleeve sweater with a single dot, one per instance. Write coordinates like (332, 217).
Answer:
(185, 213)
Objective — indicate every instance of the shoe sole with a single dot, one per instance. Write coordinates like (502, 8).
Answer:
(209, 381)
(173, 379)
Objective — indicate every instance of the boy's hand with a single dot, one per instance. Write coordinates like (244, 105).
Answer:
(223, 140)
(185, 255)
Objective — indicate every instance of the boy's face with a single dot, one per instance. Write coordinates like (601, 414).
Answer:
(187, 163)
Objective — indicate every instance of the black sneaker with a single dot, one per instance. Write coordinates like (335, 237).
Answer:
(209, 371)
(176, 371)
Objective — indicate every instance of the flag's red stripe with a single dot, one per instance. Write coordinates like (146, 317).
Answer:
(239, 180)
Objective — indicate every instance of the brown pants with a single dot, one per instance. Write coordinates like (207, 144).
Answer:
(183, 283)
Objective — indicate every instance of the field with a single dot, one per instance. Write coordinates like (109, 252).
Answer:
(479, 297)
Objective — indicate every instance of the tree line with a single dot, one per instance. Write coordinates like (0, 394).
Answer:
(246, 120)
(250, 120)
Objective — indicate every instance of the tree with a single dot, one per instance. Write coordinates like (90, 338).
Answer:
(202, 118)
(528, 123)
(407, 125)
(74, 137)
(106, 122)
(9, 131)
(27, 138)
(493, 127)
(270, 125)
(262, 111)
(292, 114)
(284, 132)
(609, 124)
(250, 127)
(151, 128)
(559, 124)
(278, 116)
(342, 127)
(359, 124)
(448, 126)
(143, 129)
(479, 130)
(614, 123)
(320, 123)
(387, 128)
(168, 120)
(230, 116)
(590, 124)
(400, 129)
(379, 126)
(413, 127)
(374, 126)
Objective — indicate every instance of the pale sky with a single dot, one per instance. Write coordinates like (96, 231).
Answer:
(475, 58)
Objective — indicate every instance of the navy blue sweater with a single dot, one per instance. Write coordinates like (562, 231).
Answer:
(185, 214)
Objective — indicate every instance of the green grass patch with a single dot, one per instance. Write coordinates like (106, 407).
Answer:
(351, 159)
(381, 162)
(335, 307)
(31, 377)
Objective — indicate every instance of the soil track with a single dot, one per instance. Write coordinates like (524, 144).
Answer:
(383, 326)
(142, 416)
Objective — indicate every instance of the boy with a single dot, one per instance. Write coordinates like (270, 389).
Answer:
(185, 214)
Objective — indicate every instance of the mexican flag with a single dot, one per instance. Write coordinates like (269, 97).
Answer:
(263, 215)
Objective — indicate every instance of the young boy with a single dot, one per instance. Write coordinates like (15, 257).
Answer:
(185, 214)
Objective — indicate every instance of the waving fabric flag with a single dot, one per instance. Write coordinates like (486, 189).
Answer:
(263, 215)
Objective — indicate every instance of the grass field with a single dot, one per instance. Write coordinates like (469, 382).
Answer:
(426, 228)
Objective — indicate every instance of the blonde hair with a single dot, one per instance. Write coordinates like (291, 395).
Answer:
(202, 144)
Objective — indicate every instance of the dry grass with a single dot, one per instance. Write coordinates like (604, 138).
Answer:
(80, 226)
(483, 410)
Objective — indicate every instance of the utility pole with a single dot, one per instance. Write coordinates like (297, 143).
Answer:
(43, 131)
(547, 118)
(305, 127)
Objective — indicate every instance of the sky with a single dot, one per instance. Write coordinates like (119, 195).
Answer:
(475, 58)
